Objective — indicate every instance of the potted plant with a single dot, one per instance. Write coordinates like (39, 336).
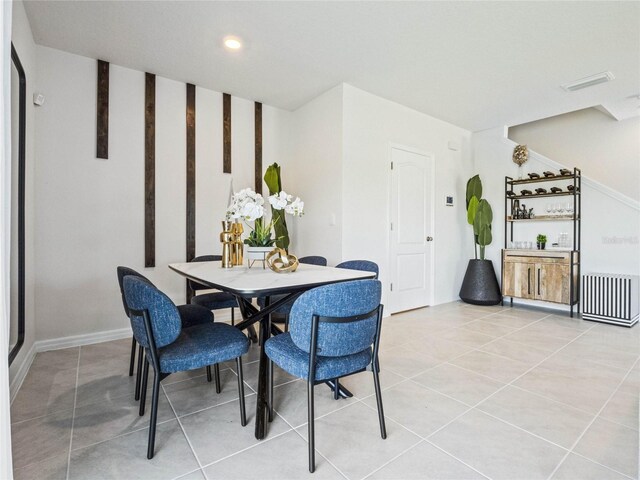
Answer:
(248, 206)
(480, 284)
(541, 240)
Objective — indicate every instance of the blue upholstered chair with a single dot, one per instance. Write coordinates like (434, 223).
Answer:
(212, 300)
(364, 265)
(169, 348)
(283, 311)
(190, 315)
(334, 332)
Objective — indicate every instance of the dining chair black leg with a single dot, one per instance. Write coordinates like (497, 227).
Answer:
(336, 389)
(376, 382)
(311, 427)
(253, 336)
(243, 412)
(233, 320)
(216, 372)
(209, 373)
(143, 392)
(286, 323)
(132, 360)
(139, 371)
(270, 373)
(154, 415)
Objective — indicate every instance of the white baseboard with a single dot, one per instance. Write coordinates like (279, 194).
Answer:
(80, 340)
(57, 344)
(21, 373)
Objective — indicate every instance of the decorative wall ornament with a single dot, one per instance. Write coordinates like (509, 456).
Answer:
(102, 111)
(520, 155)
(258, 146)
(150, 170)
(226, 133)
(191, 171)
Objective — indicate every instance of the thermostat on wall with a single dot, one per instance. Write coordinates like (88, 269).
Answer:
(448, 200)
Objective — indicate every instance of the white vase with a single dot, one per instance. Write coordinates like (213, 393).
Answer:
(256, 254)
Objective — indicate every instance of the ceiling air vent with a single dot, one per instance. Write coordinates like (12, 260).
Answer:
(588, 81)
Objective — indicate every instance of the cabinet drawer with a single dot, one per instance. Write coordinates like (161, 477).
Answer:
(536, 256)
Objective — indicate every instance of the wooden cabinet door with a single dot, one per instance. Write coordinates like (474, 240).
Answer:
(518, 280)
(552, 282)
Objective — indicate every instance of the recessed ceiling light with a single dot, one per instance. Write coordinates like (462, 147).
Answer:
(232, 43)
(589, 81)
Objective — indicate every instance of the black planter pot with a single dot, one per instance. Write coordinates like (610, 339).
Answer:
(480, 284)
(541, 246)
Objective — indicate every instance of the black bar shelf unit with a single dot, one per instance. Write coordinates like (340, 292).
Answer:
(574, 255)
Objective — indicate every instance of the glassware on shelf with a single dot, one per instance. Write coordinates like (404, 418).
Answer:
(563, 240)
(549, 208)
(569, 208)
(560, 208)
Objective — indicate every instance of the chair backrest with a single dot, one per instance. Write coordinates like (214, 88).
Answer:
(364, 265)
(202, 258)
(346, 299)
(123, 272)
(163, 315)
(313, 260)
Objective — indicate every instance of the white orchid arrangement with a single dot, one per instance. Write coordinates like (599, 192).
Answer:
(249, 206)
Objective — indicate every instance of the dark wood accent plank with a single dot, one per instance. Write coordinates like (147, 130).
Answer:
(258, 152)
(102, 130)
(191, 171)
(150, 170)
(226, 133)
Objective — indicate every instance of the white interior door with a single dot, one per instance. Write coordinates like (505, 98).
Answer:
(411, 229)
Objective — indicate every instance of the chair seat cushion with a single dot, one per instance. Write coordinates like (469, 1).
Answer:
(215, 300)
(295, 361)
(194, 315)
(202, 345)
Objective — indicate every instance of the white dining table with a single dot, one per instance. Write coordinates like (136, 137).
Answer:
(247, 283)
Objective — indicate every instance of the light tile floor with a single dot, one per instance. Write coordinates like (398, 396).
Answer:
(469, 392)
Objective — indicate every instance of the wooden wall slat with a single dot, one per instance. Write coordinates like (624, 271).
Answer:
(226, 133)
(258, 147)
(150, 170)
(102, 124)
(191, 172)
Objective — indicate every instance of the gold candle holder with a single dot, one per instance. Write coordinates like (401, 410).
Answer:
(227, 239)
(237, 249)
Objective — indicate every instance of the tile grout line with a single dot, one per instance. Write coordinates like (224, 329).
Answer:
(184, 432)
(260, 442)
(597, 463)
(597, 415)
(422, 440)
(472, 349)
(419, 438)
(504, 386)
(189, 473)
(73, 415)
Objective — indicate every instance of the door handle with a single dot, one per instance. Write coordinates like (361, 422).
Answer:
(529, 280)
(539, 282)
(429, 239)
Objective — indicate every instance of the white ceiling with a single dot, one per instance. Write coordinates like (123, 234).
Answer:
(475, 64)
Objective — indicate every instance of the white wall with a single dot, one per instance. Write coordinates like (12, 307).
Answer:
(315, 174)
(610, 221)
(91, 211)
(607, 150)
(22, 39)
(371, 124)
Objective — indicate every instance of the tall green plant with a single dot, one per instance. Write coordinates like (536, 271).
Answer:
(274, 183)
(479, 215)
